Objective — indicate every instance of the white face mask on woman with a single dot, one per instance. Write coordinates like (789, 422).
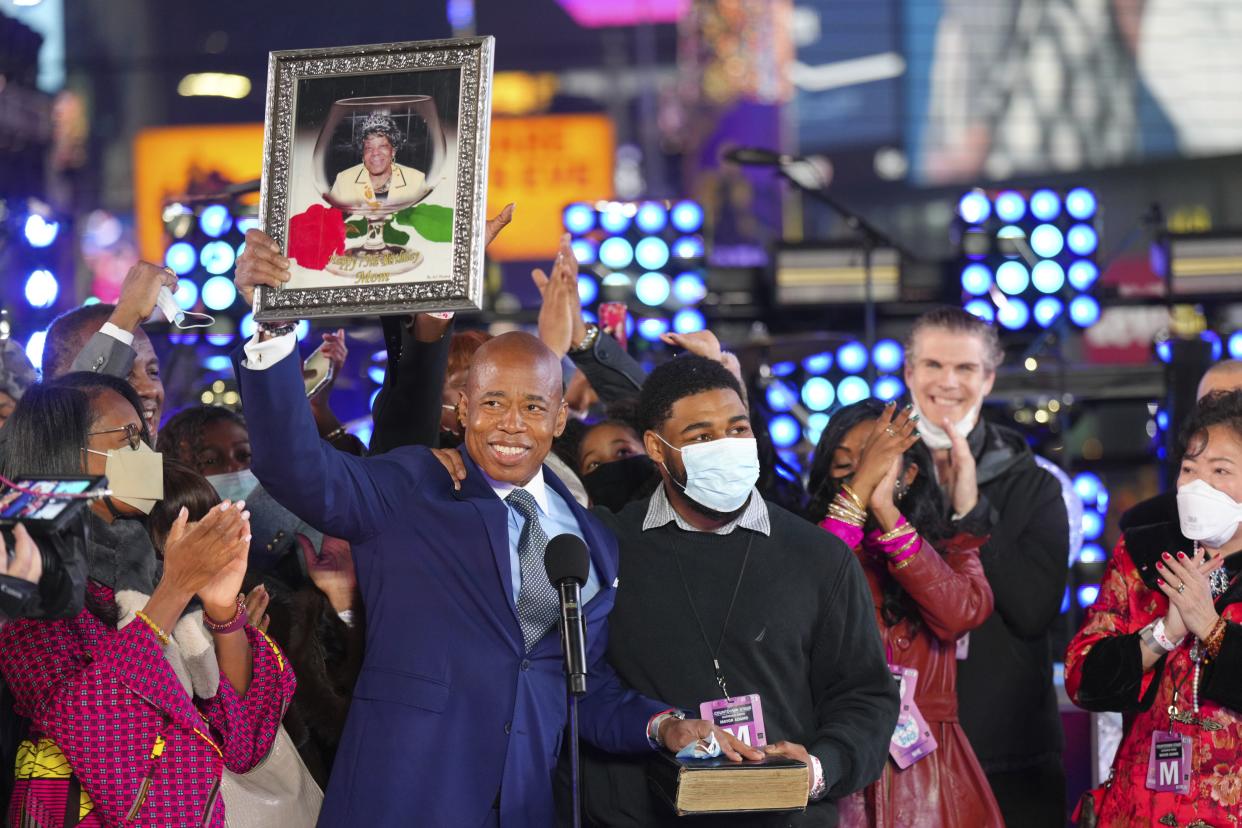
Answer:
(1207, 515)
(135, 475)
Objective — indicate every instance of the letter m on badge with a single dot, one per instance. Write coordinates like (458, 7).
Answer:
(1169, 772)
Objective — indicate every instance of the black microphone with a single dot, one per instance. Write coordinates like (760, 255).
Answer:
(568, 563)
(758, 157)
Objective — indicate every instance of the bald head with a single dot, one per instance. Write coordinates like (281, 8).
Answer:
(1223, 376)
(517, 348)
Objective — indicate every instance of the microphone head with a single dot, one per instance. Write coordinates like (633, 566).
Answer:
(566, 558)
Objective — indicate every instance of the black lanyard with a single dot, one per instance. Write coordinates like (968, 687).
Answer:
(715, 651)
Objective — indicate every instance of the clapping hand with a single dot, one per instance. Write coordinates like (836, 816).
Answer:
(560, 316)
(891, 435)
(1185, 581)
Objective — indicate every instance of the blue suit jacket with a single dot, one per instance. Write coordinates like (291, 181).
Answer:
(449, 711)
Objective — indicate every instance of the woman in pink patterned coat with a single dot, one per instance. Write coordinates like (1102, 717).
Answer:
(124, 727)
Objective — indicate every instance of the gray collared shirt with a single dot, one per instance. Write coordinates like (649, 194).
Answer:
(754, 517)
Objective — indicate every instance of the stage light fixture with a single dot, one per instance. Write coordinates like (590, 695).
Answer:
(1092, 524)
(981, 308)
(652, 328)
(689, 288)
(1047, 310)
(585, 251)
(1164, 351)
(852, 357)
(41, 288)
(688, 247)
(1013, 314)
(588, 289)
(783, 369)
(34, 348)
(822, 363)
(247, 325)
(652, 289)
(1235, 345)
(215, 220)
(852, 389)
(39, 231)
(818, 393)
(780, 396)
(579, 218)
(1084, 311)
(1082, 239)
(974, 207)
(651, 253)
(887, 388)
(219, 293)
(614, 218)
(616, 253)
(887, 355)
(976, 279)
(1092, 553)
(784, 430)
(1087, 595)
(1012, 278)
(688, 320)
(217, 257)
(651, 217)
(1045, 205)
(1047, 241)
(687, 216)
(1048, 276)
(220, 339)
(1080, 203)
(1087, 485)
(302, 330)
(377, 374)
(1010, 206)
(181, 257)
(1213, 339)
(815, 425)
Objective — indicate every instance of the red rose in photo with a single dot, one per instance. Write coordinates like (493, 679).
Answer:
(315, 235)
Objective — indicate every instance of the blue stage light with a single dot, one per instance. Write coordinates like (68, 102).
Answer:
(974, 207)
(688, 288)
(1065, 601)
(784, 430)
(614, 218)
(247, 223)
(818, 363)
(1092, 524)
(1084, 311)
(1080, 203)
(780, 396)
(377, 374)
(181, 257)
(1045, 205)
(887, 355)
(1087, 595)
(1235, 345)
(616, 253)
(1162, 420)
(1010, 206)
(186, 294)
(652, 328)
(217, 362)
(783, 369)
(302, 330)
(1082, 275)
(1213, 338)
(1012, 278)
(217, 257)
(1047, 310)
(1164, 351)
(976, 279)
(215, 220)
(1048, 277)
(41, 288)
(688, 320)
(1014, 314)
(688, 247)
(34, 348)
(1047, 241)
(815, 425)
(651, 217)
(219, 293)
(585, 251)
(687, 216)
(220, 339)
(852, 389)
(39, 231)
(888, 388)
(374, 394)
(588, 289)
(852, 357)
(579, 218)
(1087, 485)
(981, 308)
(652, 289)
(1092, 553)
(818, 394)
(651, 253)
(1082, 239)
(247, 325)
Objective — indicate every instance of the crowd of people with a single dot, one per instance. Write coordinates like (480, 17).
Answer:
(285, 626)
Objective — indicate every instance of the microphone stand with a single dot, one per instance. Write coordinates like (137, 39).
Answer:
(575, 782)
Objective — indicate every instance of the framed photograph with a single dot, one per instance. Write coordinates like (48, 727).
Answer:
(375, 177)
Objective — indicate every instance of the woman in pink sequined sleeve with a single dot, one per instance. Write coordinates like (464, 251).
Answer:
(886, 505)
(137, 704)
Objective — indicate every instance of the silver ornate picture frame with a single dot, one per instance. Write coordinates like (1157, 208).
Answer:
(375, 177)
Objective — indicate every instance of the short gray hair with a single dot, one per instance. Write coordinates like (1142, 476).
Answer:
(957, 320)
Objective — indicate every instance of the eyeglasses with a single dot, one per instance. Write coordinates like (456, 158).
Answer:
(133, 434)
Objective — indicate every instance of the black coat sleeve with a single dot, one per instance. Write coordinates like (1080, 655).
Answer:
(1222, 678)
(407, 410)
(612, 372)
(1112, 675)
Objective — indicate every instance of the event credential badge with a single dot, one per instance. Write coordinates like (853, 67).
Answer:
(1168, 766)
(912, 739)
(742, 716)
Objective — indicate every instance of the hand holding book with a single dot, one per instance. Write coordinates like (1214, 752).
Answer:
(675, 734)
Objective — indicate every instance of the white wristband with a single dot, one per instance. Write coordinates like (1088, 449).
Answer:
(1166, 644)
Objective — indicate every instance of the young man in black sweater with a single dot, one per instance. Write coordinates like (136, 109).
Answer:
(992, 487)
(720, 589)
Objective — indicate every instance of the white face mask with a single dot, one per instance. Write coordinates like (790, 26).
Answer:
(934, 435)
(234, 486)
(720, 474)
(1207, 515)
(135, 476)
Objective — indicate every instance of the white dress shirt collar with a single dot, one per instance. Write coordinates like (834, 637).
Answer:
(537, 488)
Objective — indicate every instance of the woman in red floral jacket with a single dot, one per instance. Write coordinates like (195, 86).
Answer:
(1169, 656)
(885, 507)
(119, 735)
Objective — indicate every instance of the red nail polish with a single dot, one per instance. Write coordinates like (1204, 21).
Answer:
(1181, 556)
(1164, 555)
(1160, 581)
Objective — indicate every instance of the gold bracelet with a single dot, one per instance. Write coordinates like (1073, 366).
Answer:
(1215, 639)
(155, 628)
(335, 433)
(906, 562)
(847, 518)
(900, 532)
(853, 495)
(843, 501)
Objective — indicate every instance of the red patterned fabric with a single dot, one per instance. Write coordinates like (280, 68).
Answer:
(108, 697)
(1125, 605)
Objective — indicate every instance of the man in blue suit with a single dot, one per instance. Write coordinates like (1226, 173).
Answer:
(458, 712)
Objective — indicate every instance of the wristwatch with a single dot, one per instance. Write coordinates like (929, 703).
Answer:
(653, 728)
(271, 330)
(588, 341)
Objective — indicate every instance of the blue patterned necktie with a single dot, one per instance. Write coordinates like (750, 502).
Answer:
(538, 606)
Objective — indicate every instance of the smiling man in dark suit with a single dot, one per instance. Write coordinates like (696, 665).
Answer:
(458, 712)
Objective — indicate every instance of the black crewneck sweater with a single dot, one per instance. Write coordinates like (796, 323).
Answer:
(802, 635)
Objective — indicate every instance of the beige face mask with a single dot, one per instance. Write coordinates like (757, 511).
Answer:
(135, 476)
